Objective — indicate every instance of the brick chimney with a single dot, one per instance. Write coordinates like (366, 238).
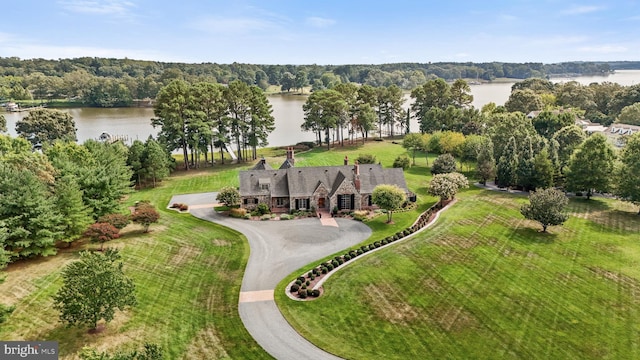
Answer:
(346, 160)
(290, 155)
(356, 171)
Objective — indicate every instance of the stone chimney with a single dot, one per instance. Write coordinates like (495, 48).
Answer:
(290, 155)
(356, 168)
(346, 160)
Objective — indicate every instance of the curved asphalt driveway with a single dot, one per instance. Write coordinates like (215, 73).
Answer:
(277, 249)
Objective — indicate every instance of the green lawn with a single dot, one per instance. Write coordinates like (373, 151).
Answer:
(188, 274)
(483, 283)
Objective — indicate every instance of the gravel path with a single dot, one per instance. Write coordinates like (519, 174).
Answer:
(277, 249)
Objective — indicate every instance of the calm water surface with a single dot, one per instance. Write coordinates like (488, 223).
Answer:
(135, 123)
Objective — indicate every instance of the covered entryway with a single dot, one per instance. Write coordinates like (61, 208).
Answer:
(321, 203)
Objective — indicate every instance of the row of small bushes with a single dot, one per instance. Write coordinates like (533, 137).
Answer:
(180, 206)
(302, 282)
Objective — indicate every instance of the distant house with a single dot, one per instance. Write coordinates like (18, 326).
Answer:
(618, 132)
(345, 187)
(12, 107)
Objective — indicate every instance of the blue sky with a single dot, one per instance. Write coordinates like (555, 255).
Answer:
(323, 31)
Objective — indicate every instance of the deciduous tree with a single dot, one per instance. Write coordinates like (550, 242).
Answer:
(412, 142)
(93, 289)
(591, 166)
(446, 186)
(568, 138)
(102, 232)
(145, 214)
(43, 125)
(546, 206)
(229, 196)
(524, 101)
(627, 184)
(388, 197)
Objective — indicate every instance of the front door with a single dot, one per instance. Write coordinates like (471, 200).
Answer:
(321, 203)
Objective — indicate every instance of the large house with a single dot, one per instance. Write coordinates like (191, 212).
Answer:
(345, 187)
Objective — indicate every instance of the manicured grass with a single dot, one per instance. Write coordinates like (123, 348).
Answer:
(187, 272)
(483, 283)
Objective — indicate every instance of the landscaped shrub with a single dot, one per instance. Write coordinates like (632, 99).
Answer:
(324, 270)
(364, 248)
(444, 163)
(295, 288)
(184, 207)
(286, 217)
(329, 267)
(237, 212)
(377, 244)
(265, 217)
(118, 221)
(347, 257)
(402, 161)
(302, 293)
(360, 215)
(366, 159)
(315, 293)
(304, 286)
(335, 263)
(298, 282)
(247, 216)
(309, 292)
(262, 209)
(359, 252)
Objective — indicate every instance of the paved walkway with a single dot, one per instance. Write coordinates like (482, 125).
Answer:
(277, 249)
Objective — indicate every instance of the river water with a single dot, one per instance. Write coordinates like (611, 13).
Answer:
(135, 123)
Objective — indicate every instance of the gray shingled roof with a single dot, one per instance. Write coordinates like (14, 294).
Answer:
(303, 181)
(262, 165)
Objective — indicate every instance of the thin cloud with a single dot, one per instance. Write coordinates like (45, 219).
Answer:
(319, 22)
(119, 8)
(582, 9)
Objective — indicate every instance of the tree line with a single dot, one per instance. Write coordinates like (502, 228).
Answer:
(107, 82)
(196, 118)
(545, 149)
(52, 188)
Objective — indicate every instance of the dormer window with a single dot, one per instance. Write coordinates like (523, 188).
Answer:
(264, 183)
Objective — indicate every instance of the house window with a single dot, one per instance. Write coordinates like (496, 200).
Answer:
(250, 201)
(345, 202)
(264, 186)
(303, 203)
(369, 201)
(281, 202)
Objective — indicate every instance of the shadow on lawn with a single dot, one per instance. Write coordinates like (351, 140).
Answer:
(582, 205)
(531, 235)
